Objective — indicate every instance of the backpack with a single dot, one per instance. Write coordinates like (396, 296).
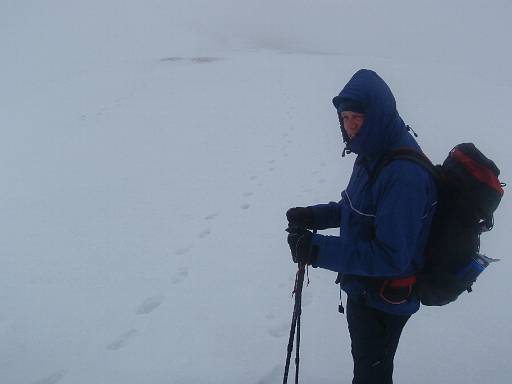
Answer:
(469, 192)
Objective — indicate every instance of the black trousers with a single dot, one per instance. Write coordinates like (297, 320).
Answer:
(374, 335)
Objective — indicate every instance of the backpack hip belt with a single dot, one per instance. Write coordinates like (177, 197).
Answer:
(398, 290)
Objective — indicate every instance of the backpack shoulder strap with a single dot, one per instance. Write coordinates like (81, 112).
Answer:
(409, 154)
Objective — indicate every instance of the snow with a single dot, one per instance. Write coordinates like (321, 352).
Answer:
(150, 150)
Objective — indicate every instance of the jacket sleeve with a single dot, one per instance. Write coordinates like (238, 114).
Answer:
(326, 215)
(399, 224)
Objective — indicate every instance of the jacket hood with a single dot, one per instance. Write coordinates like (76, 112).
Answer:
(382, 126)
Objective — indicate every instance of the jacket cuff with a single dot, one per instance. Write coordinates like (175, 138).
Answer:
(316, 242)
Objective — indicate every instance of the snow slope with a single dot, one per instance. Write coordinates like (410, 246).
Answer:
(150, 150)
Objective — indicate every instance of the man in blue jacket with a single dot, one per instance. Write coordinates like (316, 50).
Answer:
(384, 224)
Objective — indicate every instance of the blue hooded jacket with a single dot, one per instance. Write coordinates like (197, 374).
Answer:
(383, 227)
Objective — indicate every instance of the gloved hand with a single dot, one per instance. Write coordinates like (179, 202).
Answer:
(301, 217)
(299, 240)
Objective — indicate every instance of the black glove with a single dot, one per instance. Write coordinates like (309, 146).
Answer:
(302, 217)
(299, 240)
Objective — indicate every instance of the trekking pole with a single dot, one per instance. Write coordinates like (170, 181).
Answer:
(297, 291)
(297, 311)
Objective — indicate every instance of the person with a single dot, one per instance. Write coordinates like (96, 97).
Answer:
(384, 226)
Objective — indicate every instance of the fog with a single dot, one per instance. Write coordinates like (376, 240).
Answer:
(150, 149)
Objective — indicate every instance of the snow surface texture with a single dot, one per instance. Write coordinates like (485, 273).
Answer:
(150, 149)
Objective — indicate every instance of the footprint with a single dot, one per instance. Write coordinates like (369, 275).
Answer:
(271, 169)
(149, 305)
(321, 181)
(205, 232)
(245, 206)
(271, 161)
(270, 316)
(204, 60)
(212, 215)
(248, 194)
(51, 379)
(252, 178)
(180, 276)
(182, 251)
(280, 330)
(122, 340)
(172, 59)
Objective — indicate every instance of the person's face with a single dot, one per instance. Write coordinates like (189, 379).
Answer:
(351, 122)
